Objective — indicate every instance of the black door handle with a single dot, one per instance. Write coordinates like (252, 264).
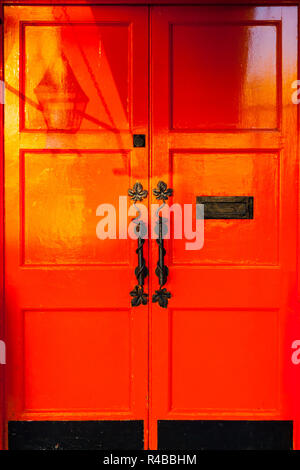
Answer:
(162, 295)
(139, 297)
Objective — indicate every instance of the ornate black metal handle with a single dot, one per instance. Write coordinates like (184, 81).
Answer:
(162, 295)
(139, 297)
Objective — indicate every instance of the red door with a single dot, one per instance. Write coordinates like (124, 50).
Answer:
(77, 90)
(83, 372)
(224, 125)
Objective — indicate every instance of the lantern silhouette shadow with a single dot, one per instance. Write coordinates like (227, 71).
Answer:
(61, 99)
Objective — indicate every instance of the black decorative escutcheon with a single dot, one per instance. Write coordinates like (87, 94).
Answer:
(162, 192)
(139, 297)
(162, 295)
(138, 193)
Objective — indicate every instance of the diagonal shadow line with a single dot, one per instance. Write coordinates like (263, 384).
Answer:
(22, 96)
(89, 68)
(100, 123)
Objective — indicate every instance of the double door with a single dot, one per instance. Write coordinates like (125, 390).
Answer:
(99, 98)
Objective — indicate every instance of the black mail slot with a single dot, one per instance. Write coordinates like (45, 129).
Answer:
(227, 207)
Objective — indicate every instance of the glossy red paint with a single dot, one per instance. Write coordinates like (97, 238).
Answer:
(224, 124)
(219, 121)
(70, 325)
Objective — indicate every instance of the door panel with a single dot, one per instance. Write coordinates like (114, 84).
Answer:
(77, 91)
(219, 173)
(224, 125)
(239, 67)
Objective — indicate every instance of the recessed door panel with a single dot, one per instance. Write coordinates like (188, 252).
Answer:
(217, 173)
(61, 231)
(88, 63)
(206, 360)
(224, 76)
(57, 363)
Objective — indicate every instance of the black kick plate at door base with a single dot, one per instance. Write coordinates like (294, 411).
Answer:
(75, 435)
(227, 207)
(225, 435)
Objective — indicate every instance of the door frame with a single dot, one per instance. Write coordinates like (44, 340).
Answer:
(148, 3)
